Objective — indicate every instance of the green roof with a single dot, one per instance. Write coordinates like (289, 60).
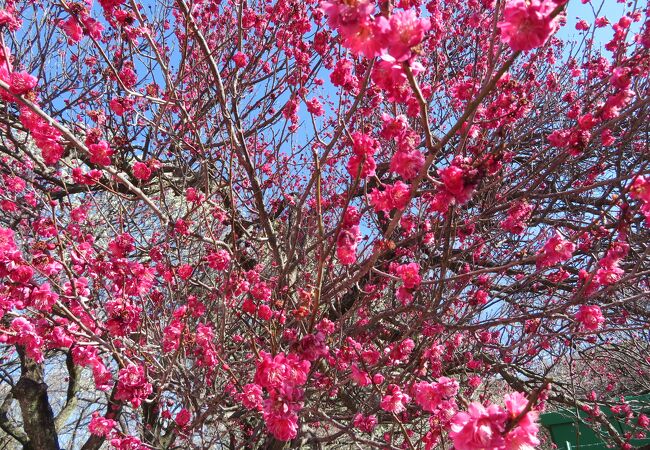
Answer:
(569, 431)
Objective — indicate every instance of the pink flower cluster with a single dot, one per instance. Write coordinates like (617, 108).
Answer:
(141, 171)
(88, 356)
(282, 376)
(132, 385)
(411, 279)
(459, 181)
(80, 24)
(218, 260)
(590, 317)
(46, 137)
(609, 271)
(101, 426)
(123, 316)
(365, 423)
(395, 196)
(640, 190)
(9, 18)
(556, 250)
(389, 75)
(100, 153)
(527, 24)
(485, 427)
(435, 396)
(349, 236)
(518, 215)
(362, 163)
(407, 160)
(395, 38)
(394, 401)
(22, 332)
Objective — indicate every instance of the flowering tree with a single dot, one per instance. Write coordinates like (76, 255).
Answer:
(291, 224)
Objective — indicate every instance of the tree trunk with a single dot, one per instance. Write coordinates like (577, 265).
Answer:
(38, 418)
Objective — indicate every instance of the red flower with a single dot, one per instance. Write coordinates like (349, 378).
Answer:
(100, 153)
(21, 83)
(141, 171)
(526, 24)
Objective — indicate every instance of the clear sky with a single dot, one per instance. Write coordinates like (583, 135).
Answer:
(611, 9)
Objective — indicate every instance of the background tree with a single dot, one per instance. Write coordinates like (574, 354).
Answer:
(269, 224)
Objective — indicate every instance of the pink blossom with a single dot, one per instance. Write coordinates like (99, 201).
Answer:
(312, 347)
(590, 317)
(345, 14)
(141, 171)
(361, 166)
(132, 385)
(404, 295)
(128, 77)
(94, 28)
(284, 427)
(395, 400)
(452, 176)
(478, 428)
(100, 153)
(360, 377)
(21, 83)
(407, 163)
(394, 196)
(364, 38)
(410, 275)
(621, 77)
(556, 250)
(315, 107)
(43, 298)
(349, 237)
(241, 60)
(26, 336)
(183, 418)
(609, 274)
(110, 5)
(185, 271)
(172, 336)
(72, 29)
(365, 424)
(459, 179)
(194, 196)
(7, 243)
(389, 76)
(219, 260)
(518, 215)
(264, 312)
(342, 74)
(275, 372)
(406, 30)
(121, 245)
(526, 24)
(128, 443)
(430, 396)
(251, 397)
(9, 18)
(117, 106)
(640, 188)
(101, 426)
(123, 316)
(362, 163)
(524, 434)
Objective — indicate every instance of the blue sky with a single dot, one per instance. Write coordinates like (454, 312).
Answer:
(611, 9)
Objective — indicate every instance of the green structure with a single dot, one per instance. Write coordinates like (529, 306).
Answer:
(571, 432)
